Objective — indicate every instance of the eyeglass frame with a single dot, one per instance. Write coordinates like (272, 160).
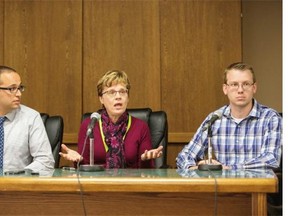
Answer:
(121, 92)
(245, 86)
(14, 90)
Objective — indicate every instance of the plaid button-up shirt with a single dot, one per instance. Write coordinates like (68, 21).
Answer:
(254, 142)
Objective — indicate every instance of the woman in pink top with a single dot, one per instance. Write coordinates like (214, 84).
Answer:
(120, 140)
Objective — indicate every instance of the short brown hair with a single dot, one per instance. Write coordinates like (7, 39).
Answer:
(239, 66)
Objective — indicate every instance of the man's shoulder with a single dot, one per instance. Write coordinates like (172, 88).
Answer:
(266, 111)
(28, 111)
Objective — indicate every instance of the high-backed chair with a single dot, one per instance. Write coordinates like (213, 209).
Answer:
(159, 133)
(157, 122)
(54, 127)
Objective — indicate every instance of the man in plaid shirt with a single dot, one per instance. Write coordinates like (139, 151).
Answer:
(247, 135)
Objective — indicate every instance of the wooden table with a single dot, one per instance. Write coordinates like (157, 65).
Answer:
(138, 192)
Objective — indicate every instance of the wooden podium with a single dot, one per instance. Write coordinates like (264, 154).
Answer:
(138, 192)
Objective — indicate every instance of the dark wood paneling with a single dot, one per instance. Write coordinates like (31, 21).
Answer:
(43, 42)
(198, 40)
(173, 51)
(122, 35)
(121, 203)
(1, 32)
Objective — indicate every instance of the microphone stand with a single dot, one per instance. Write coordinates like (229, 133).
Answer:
(209, 166)
(91, 167)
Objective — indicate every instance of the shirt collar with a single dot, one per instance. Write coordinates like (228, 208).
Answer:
(11, 115)
(254, 113)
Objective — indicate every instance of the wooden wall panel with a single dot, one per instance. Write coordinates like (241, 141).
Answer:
(173, 51)
(198, 40)
(43, 42)
(122, 35)
(1, 32)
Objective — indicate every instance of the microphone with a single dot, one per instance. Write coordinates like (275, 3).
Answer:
(95, 117)
(214, 117)
(210, 166)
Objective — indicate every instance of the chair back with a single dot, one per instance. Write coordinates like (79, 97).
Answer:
(141, 113)
(157, 122)
(54, 126)
(159, 134)
(44, 117)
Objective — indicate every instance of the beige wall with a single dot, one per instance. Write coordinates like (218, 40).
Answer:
(262, 48)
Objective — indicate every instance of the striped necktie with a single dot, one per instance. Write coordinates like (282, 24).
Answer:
(2, 119)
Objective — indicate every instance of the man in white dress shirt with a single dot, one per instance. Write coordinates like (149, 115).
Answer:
(26, 144)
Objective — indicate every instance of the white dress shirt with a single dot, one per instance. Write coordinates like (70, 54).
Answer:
(26, 144)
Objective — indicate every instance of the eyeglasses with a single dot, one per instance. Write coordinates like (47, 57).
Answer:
(13, 90)
(113, 93)
(245, 85)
